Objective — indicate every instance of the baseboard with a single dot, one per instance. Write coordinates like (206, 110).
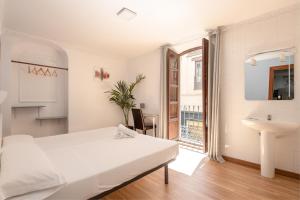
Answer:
(287, 173)
(257, 166)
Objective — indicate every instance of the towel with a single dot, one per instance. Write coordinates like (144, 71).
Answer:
(124, 132)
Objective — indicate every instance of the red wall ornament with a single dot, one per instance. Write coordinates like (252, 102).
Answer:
(101, 74)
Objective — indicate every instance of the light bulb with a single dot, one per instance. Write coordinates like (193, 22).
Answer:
(253, 62)
(282, 57)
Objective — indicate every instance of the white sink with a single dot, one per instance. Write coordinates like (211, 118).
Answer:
(277, 127)
(268, 131)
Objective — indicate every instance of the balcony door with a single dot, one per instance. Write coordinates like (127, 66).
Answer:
(173, 60)
(205, 91)
(188, 121)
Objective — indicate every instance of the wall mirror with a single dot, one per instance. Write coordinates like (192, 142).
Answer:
(270, 76)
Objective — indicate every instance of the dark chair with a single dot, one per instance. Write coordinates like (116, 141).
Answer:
(139, 122)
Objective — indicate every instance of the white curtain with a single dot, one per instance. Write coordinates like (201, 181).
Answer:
(214, 148)
(163, 93)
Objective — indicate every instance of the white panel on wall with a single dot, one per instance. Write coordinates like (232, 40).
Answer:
(36, 88)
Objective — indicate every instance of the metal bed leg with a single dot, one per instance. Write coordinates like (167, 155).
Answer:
(166, 174)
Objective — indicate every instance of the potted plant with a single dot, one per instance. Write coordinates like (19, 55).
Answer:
(122, 95)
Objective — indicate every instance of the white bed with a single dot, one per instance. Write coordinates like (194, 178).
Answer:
(85, 164)
(93, 162)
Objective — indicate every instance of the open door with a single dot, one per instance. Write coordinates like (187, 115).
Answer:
(173, 72)
(279, 73)
(205, 90)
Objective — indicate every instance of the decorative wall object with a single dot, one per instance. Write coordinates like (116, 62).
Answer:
(42, 71)
(101, 74)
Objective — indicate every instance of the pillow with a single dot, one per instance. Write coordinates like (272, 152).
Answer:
(123, 131)
(18, 139)
(26, 168)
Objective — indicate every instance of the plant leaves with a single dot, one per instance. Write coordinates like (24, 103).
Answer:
(122, 95)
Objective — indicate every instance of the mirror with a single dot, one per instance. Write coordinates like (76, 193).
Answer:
(270, 76)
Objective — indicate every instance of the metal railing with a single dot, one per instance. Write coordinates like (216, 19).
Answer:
(191, 128)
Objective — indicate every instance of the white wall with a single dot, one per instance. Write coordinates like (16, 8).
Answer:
(187, 75)
(189, 96)
(148, 91)
(1, 14)
(5, 82)
(89, 107)
(272, 31)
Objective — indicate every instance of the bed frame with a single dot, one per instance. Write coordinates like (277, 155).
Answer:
(165, 165)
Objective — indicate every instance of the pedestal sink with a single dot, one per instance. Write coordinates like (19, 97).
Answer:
(268, 131)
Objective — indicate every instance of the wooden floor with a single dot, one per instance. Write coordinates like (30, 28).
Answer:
(212, 181)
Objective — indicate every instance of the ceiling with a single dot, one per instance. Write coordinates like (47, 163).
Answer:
(93, 24)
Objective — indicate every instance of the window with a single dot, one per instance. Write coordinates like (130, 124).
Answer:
(198, 75)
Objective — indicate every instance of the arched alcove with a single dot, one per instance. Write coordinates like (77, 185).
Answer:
(38, 51)
(39, 101)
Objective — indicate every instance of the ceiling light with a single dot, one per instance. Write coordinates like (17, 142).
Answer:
(126, 14)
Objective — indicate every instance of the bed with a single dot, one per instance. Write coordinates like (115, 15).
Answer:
(94, 163)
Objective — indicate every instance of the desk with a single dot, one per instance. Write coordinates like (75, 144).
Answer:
(154, 117)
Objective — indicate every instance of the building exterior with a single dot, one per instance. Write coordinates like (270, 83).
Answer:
(191, 97)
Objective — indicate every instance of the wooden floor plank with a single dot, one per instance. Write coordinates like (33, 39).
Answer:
(213, 181)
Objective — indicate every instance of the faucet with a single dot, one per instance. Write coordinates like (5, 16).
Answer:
(269, 117)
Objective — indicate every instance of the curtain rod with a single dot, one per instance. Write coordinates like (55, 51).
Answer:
(270, 51)
(27, 63)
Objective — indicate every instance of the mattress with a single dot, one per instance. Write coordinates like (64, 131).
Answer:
(95, 161)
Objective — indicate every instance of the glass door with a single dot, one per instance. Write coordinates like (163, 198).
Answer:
(173, 94)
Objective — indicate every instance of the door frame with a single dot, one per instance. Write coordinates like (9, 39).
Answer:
(190, 50)
(271, 77)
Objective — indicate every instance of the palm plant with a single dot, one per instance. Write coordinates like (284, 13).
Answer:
(122, 95)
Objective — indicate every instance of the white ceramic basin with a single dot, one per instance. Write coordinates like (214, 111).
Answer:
(271, 126)
(268, 131)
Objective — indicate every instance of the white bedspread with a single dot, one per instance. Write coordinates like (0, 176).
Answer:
(94, 161)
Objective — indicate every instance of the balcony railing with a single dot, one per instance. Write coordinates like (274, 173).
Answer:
(191, 129)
